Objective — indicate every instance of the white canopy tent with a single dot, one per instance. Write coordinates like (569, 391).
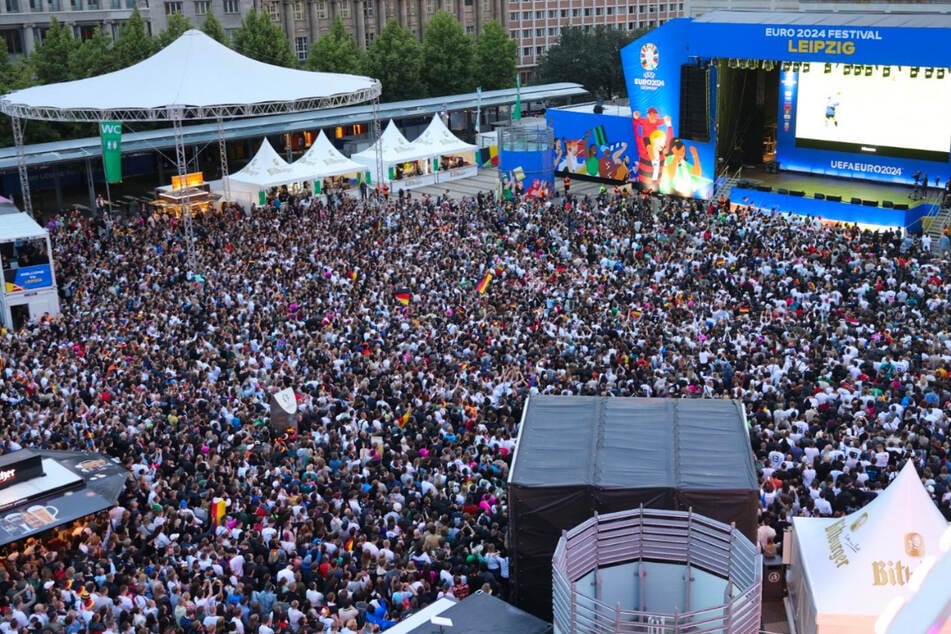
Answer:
(440, 142)
(29, 289)
(397, 152)
(845, 570)
(194, 77)
(323, 160)
(265, 170)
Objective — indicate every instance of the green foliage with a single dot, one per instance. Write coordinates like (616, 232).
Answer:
(91, 57)
(133, 43)
(14, 75)
(591, 58)
(50, 61)
(261, 39)
(447, 56)
(336, 52)
(176, 26)
(213, 29)
(395, 58)
(495, 55)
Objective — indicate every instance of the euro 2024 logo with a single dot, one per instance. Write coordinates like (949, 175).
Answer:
(650, 57)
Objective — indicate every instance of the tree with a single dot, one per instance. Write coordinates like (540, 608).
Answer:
(50, 61)
(91, 57)
(259, 38)
(14, 75)
(592, 59)
(213, 29)
(495, 57)
(395, 58)
(336, 52)
(447, 56)
(133, 43)
(177, 25)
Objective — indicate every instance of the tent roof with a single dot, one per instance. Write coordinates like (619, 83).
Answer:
(194, 75)
(396, 148)
(841, 555)
(323, 159)
(482, 613)
(685, 444)
(19, 226)
(267, 169)
(439, 140)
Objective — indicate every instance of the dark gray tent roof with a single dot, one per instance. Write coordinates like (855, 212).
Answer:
(684, 444)
(482, 613)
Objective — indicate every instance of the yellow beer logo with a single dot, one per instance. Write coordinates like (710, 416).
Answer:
(859, 522)
(914, 545)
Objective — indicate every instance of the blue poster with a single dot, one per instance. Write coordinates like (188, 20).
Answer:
(30, 277)
(593, 145)
(528, 173)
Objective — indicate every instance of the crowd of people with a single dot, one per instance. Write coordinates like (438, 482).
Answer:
(410, 367)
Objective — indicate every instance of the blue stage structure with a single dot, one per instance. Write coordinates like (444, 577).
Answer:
(844, 95)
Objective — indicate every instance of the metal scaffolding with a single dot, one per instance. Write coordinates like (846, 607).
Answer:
(21, 166)
(223, 157)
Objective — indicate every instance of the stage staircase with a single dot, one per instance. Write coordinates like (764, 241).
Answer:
(726, 183)
(940, 220)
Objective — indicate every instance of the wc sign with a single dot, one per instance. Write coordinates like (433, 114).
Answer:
(111, 134)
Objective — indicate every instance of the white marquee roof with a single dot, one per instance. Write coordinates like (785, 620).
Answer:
(268, 169)
(845, 558)
(438, 140)
(19, 226)
(194, 75)
(323, 159)
(396, 149)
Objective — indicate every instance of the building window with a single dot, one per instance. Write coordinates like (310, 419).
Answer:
(597, 11)
(301, 47)
(526, 15)
(172, 8)
(299, 10)
(514, 35)
(575, 13)
(76, 5)
(92, 4)
(322, 9)
(202, 6)
(587, 13)
(13, 6)
(539, 32)
(36, 6)
(12, 39)
(610, 10)
(470, 29)
(513, 16)
(553, 31)
(370, 37)
(345, 10)
(231, 6)
(526, 33)
(368, 9)
(54, 5)
(539, 15)
(641, 9)
(468, 3)
(274, 10)
(527, 51)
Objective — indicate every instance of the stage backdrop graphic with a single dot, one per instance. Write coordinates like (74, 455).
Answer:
(838, 125)
(593, 146)
(532, 169)
(664, 162)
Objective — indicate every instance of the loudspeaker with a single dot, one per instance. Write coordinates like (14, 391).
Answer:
(901, 207)
(835, 199)
(856, 201)
(870, 203)
(797, 193)
(887, 204)
(694, 103)
(764, 188)
(782, 190)
(819, 196)
(598, 109)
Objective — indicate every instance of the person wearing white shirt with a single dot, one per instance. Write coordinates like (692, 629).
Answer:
(285, 576)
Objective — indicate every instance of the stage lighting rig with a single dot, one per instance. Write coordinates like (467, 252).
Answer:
(828, 68)
(886, 71)
(868, 71)
(768, 65)
(795, 67)
(914, 71)
(929, 73)
(805, 67)
(847, 69)
(787, 66)
(940, 73)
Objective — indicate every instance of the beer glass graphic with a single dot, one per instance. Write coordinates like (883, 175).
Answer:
(914, 545)
(38, 516)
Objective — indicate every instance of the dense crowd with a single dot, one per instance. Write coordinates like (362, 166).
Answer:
(391, 493)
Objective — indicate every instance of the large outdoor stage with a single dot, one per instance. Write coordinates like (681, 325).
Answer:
(825, 105)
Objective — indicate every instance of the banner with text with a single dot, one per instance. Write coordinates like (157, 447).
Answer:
(111, 134)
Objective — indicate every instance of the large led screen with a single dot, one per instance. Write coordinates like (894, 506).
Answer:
(899, 115)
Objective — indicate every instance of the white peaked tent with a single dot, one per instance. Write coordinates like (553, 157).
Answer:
(396, 150)
(265, 170)
(439, 141)
(197, 74)
(322, 159)
(846, 570)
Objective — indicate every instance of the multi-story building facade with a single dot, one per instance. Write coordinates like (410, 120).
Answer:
(536, 24)
(23, 22)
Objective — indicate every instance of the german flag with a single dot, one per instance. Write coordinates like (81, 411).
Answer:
(218, 510)
(352, 275)
(402, 420)
(402, 296)
(484, 283)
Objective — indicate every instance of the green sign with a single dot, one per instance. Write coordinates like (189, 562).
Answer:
(111, 134)
(262, 198)
(316, 185)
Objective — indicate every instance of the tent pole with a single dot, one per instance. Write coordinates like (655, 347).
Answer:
(90, 185)
(223, 157)
(181, 160)
(21, 166)
(377, 133)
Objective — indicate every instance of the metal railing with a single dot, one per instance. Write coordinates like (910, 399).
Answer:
(674, 537)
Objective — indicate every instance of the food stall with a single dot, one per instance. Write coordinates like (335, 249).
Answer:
(405, 165)
(452, 157)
